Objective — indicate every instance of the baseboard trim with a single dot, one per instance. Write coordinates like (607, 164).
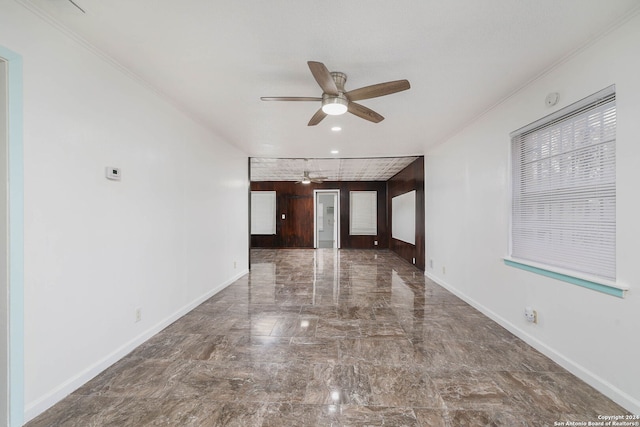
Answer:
(38, 406)
(620, 397)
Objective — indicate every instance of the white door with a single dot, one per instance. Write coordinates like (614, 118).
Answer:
(327, 218)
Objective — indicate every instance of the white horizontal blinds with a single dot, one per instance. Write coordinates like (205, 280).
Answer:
(564, 191)
(263, 212)
(363, 213)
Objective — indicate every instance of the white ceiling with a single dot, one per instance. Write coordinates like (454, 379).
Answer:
(215, 59)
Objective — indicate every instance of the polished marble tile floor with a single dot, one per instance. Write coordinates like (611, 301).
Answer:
(331, 338)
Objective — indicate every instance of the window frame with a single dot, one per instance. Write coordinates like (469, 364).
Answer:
(373, 231)
(272, 210)
(592, 281)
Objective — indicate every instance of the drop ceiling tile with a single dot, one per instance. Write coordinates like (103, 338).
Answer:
(356, 169)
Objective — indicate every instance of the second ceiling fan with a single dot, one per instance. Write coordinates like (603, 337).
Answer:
(335, 100)
(307, 179)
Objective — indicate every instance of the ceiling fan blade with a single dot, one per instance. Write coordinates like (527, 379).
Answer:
(316, 181)
(290, 98)
(323, 77)
(380, 89)
(317, 117)
(364, 112)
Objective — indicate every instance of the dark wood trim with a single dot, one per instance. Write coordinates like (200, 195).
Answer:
(296, 202)
(249, 210)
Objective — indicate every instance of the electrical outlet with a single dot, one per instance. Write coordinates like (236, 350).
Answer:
(375, 243)
(113, 173)
(413, 260)
(138, 314)
(531, 315)
(430, 263)
(235, 265)
(444, 270)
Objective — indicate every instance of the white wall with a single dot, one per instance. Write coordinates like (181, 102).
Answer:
(163, 239)
(467, 218)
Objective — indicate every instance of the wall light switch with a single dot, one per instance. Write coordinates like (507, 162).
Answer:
(113, 173)
(283, 216)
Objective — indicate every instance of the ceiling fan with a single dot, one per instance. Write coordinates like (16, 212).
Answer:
(306, 179)
(335, 100)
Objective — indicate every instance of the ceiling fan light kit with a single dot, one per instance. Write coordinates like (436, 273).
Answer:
(336, 101)
(334, 105)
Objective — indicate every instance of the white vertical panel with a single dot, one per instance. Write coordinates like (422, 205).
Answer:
(403, 217)
(263, 212)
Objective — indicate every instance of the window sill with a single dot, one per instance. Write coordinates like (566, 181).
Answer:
(594, 283)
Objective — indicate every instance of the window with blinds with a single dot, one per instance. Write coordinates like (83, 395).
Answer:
(564, 188)
(263, 212)
(363, 213)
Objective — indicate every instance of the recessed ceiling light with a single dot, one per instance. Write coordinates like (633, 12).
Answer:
(336, 128)
(334, 151)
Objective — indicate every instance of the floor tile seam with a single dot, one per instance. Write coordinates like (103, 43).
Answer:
(453, 340)
(389, 366)
(440, 387)
(484, 341)
(374, 339)
(250, 374)
(533, 371)
(475, 369)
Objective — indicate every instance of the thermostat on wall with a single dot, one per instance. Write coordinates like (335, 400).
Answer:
(113, 173)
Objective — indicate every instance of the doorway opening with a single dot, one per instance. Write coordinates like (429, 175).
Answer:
(326, 223)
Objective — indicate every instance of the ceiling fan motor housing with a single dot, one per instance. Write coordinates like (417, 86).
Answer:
(340, 79)
(336, 104)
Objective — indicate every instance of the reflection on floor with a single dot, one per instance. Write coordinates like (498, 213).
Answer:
(332, 338)
(325, 244)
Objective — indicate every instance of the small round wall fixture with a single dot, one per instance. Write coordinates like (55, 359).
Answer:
(336, 128)
(552, 99)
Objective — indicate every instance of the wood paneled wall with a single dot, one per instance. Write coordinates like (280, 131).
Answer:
(296, 202)
(409, 179)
